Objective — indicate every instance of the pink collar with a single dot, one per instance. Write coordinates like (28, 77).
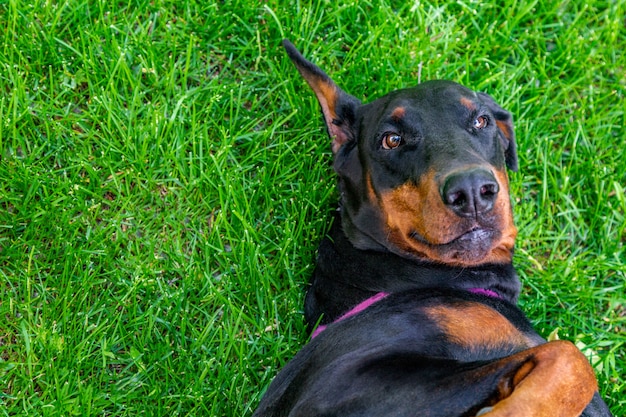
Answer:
(484, 291)
(379, 296)
(355, 310)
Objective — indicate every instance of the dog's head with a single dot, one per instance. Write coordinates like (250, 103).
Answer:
(422, 171)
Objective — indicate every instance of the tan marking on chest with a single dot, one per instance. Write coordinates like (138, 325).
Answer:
(474, 326)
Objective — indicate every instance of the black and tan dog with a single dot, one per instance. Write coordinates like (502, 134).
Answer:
(424, 194)
(415, 285)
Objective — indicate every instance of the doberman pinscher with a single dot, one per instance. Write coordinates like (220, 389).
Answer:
(416, 278)
(423, 194)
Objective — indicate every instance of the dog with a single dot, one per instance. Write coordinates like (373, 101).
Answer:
(414, 288)
(423, 194)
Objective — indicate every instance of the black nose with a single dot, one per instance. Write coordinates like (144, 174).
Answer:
(470, 193)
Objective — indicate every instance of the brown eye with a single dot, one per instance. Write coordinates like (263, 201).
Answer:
(480, 122)
(391, 140)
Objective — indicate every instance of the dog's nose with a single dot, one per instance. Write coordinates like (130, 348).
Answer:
(470, 193)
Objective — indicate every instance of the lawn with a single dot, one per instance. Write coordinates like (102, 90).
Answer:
(165, 179)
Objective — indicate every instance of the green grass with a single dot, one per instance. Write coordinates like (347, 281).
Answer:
(165, 179)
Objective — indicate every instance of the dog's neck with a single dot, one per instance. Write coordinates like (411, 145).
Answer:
(379, 296)
(346, 275)
(355, 249)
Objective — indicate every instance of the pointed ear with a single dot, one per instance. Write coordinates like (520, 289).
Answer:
(504, 121)
(338, 108)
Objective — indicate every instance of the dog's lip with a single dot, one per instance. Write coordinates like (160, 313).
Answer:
(475, 234)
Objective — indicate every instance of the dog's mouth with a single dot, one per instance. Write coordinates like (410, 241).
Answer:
(476, 234)
(472, 236)
(470, 246)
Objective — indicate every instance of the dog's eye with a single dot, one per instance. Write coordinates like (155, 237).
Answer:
(481, 122)
(391, 140)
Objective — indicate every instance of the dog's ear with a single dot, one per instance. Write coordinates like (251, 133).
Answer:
(338, 107)
(504, 121)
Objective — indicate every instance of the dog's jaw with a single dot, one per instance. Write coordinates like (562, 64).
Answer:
(476, 248)
(412, 222)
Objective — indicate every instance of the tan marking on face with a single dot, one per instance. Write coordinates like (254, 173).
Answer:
(371, 194)
(476, 326)
(398, 113)
(468, 104)
(503, 250)
(418, 209)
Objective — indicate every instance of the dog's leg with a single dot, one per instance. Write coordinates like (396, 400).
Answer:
(552, 380)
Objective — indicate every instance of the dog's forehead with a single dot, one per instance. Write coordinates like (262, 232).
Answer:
(435, 104)
(436, 96)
